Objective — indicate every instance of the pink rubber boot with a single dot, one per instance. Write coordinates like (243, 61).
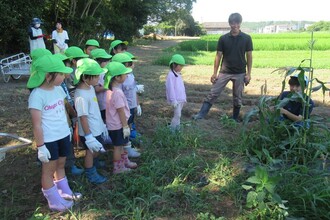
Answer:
(55, 201)
(127, 162)
(119, 167)
(64, 190)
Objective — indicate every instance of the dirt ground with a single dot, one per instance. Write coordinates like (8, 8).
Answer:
(15, 118)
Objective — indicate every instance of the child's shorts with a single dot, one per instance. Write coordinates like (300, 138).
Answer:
(117, 137)
(83, 140)
(131, 117)
(59, 148)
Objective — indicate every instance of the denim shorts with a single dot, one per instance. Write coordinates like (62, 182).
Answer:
(117, 137)
(59, 148)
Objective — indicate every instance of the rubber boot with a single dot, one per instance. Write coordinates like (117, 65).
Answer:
(64, 190)
(55, 201)
(94, 177)
(99, 164)
(236, 111)
(76, 171)
(119, 167)
(131, 152)
(204, 110)
(127, 162)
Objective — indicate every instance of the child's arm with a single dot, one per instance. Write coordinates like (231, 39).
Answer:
(70, 109)
(37, 129)
(170, 90)
(122, 116)
(291, 116)
(84, 124)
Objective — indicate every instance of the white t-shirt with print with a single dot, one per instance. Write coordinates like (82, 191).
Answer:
(86, 105)
(53, 117)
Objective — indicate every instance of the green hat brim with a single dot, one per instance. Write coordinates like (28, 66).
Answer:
(108, 77)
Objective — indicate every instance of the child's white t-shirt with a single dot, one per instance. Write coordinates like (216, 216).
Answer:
(86, 105)
(53, 117)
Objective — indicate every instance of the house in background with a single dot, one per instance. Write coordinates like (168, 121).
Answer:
(216, 27)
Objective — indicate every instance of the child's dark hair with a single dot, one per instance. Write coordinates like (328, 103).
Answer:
(173, 66)
(84, 77)
(121, 46)
(111, 82)
(235, 18)
(101, 60)
(53, 76)
(294, 81)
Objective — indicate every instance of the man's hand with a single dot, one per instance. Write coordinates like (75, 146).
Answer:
(214, 78)
(247, 79)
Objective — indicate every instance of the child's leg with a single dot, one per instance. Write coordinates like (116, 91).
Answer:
(89, 157)
(176, 117)
(47, 175)
(60, 171)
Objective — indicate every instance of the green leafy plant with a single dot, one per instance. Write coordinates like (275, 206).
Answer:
(262, 198)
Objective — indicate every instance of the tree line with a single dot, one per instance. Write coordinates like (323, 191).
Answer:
(85, 19)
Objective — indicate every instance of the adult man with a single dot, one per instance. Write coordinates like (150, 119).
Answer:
(234, 51)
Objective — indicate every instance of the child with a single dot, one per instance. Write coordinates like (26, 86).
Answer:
(90, 45)
(117, 46)
(129, 89)
(72, 118)
(175, 90)
(90, 124)
(102, 58)
(74, 54)
(51, 130)
(117, 114)
(293, 110)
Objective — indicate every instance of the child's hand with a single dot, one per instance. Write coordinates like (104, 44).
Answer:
(93, 144)
(126, 131)
(105, 132)
(175, 104)
(140, 89)
(138, 110)
(43, 154)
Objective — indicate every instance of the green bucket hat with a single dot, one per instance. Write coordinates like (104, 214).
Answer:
(117, 42)
(87, 66)
(114, 69)
(134, 58)
(75, 52)
(178, 59)
(39, 52)
(92, 42)
(43, 65)
(121, 58)
(61, 56)
(100, 53)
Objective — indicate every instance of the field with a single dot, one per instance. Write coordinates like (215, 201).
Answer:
(213, 169)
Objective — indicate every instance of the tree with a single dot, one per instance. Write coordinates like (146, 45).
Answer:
(320, 26)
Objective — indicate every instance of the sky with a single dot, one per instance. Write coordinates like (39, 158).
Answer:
(261, 10)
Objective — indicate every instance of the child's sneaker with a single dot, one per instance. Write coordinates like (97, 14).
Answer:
(131, 151)
(76, 171)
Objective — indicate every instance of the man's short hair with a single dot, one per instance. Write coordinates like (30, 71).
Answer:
(294, 81)
(235, 18)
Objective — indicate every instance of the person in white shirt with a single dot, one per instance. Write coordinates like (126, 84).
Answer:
(60, 38)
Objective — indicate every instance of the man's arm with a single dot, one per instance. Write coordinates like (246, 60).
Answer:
(290, 115)
(249, 67)
(216, 65)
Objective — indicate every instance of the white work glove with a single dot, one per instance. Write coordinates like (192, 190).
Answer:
(140, 89)
(126, 132)
(138, 110)
(105, 132)
(175, 104)
(43, 154)
(93, 144)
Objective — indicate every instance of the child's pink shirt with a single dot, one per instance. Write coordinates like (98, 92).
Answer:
(115, 99)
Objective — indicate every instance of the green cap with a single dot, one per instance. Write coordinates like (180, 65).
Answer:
(43, 65)
(87, 66)
(100, 53)
(115, 43)
(178, 59)
(61, 56)
(134, 58)
(39, 52)
(75, 52)
(114, 69)
(121, 58)
(92, 42)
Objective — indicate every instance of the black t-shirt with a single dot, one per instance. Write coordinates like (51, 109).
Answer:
(296, 107)
(233, 49)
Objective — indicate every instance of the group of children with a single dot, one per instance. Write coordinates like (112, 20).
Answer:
(93, 89)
